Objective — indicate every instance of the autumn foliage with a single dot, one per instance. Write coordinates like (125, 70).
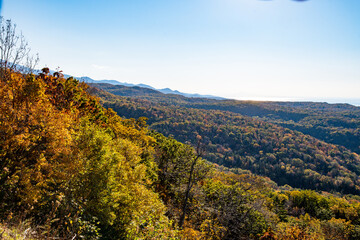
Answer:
(72, 169)
(71, 165)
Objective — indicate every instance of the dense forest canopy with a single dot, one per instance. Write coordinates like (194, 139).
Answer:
(255, 143)
(71, 168)
(333, 123)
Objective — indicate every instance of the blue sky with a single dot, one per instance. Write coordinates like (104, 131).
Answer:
(243, 49)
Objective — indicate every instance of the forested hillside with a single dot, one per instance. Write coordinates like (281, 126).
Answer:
(333, 123)
(71, 169)
(233, 140)
(68, 164)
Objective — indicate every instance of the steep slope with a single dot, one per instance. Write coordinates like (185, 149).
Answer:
(71, 167)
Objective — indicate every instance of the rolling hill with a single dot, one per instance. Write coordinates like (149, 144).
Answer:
(252, 135)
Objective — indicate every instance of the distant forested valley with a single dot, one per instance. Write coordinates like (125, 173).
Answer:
(305, 145)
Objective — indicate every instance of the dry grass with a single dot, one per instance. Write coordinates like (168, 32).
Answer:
(22, 231)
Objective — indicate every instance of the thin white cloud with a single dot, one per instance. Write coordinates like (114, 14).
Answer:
(100, 67)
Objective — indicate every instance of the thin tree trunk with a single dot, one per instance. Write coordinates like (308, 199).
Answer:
(187, 192)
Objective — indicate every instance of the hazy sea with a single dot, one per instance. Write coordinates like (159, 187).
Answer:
(352, 101)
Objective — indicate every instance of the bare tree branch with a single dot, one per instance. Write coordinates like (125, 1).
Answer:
(14, 50)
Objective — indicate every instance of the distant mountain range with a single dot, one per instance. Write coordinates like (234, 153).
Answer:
(352, 101)
(115, 82)
(164, 90)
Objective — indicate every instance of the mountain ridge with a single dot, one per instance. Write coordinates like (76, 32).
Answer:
(163, 90)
